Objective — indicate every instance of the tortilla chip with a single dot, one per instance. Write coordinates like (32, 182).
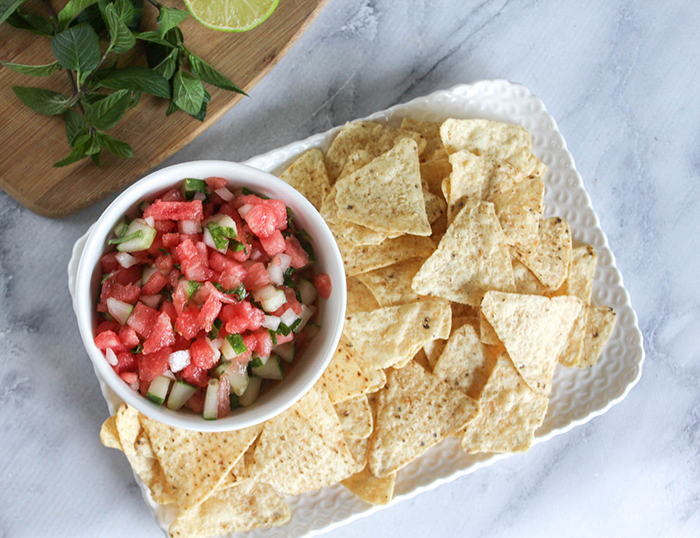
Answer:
(471, 259)
(303, 449)
(435, 207)
(393, 335)
(360, 298)
(372, 137)
(579, 282)
(464, 363)
(358, 449)
(415, 412)
(534, 331)
(392, 285)
(348, 231)
(109, 435)
(307, 174)
(487, 335)
(362, 259)
(241, 508)
(356, 160)
(140, 457)
(599, 328)
(571, 354)
(195, 463)
(343, 379)
(386, 195)
(520, 210)
(371, 489)
(377, 377)
(355, 417)
(431, 133)
(433, 173)
(549, 259)
(525, 281)
(433, 350)
(509, 413)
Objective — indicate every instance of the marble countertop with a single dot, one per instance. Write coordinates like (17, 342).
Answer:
(618, 78)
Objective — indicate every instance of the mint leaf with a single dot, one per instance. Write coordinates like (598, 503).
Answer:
(92, 146)
(77, 153)
(107, 112)
(210, 75)
(97, 158)
(121, 38)
(169, 18)
(33, 70)
(136, 78)
(188, 92)
(172, 108)
(202, 112)
(7, 8)
(125, 10)
(75, 125)
(167, 67)
(153, 37)
(42, 101)
(217, 234)
(77, 48)
(114, 146)
(71, 11)
(31, 23)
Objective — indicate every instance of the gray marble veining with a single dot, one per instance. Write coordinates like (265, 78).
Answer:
(618, 78)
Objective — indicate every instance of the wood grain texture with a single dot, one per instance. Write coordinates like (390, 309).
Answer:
(30, 143)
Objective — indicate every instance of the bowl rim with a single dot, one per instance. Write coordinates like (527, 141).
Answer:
(238, 175)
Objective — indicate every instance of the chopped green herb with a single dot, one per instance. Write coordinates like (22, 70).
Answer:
(288, 278)
(256, 362)
(105, 277)
(106, 315)
(176, 266)
(138, 349)
(163, 251)
(214, 333)
(236, 342)
(124, 239)
(168, 295)
(193, 287)
(237, 246)
(191, 186)
(283, 330)
(295, 324)
(273, 335)
(221, 234)
(247, 191)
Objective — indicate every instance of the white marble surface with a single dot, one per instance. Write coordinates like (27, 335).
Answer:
(618, 78)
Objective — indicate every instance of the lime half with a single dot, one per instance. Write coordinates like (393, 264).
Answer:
(231, 15)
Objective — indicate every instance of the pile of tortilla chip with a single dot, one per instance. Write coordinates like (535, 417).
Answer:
(462, 300)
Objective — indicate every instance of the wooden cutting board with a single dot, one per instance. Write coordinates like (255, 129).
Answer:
(30, 143)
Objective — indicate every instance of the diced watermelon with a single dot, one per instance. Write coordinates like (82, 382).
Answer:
(279, 208)
(262, 220)
(164, 263)
(230, 280)
(162, 335)
(164, 226)
(126, 362)
(171, 240)
(156, 247)
(216, 183)
(180, 296)
(282, 339)
(210, 310)
(224, 407)
(154, 364)
(169, 308)
(201, 354)
(165, 210)
(208, 209)
(264, 342)
(192, 264)
(128, 337)
(129, 275)
(174, 278)
(222, 264)
(197, 376)
(142, 319)
(109, 262)
(240, 317)
(196, 401)
(181, 343)
(294, 249)
(130, 378)
(195, 238)
(127, 294)
(251, 343)
(107, 326)
(323, 285)
(187, 323)
(173, 195)
(292, 301)
(257, 277)
(109, 340)
(274, 243)
(156, 283)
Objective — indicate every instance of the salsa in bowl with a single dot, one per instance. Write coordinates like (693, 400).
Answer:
(215, 301)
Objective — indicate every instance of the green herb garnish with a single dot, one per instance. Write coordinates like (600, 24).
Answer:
(125, 238)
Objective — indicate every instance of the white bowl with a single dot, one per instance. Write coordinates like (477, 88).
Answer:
(331, 312)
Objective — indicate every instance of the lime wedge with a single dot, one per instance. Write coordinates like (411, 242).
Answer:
(231, 15)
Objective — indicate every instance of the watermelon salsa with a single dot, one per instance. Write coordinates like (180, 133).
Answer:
(209, 297)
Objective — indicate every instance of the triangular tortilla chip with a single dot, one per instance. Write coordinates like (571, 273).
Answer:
(415, 412)
(435, 206)
(355, 417)
(392, 285)
(343, 379)
(360, 298)
(371, 489)
(464, 363)
(549, 259)
(372, 137)
(599, 328)
(570, 356)
(579, 281)
(194, 463)
(393, 335)
(520, 210)
(307, 174)
(303, 449)
(433, 173)
(509, 413)
(240, 508)
(348, 231)
(471, 259)
(359, 448)
(525, 282)
(377, 377)
(109, 435)
(356, 160)
(487, 334)
(534, 331)
(386, 195)
(431, 133)
(361, 259)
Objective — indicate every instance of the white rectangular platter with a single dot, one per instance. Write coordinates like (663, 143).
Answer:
(577, 395)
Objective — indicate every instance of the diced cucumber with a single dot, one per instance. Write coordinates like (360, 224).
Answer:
(211, 401)
(286, 351)
(120, 227)
(148, 272)
(143, 206)
(307, 292)
(191, 186)
(272, 369)
(158, 389)
(233, 346)
(239, 380)
(251, 393)
(221, 369)
(136, 244)
(257, 362)
(119, 310)
(274, 302)
(312, 330)
(180, 394)
(307, 313)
